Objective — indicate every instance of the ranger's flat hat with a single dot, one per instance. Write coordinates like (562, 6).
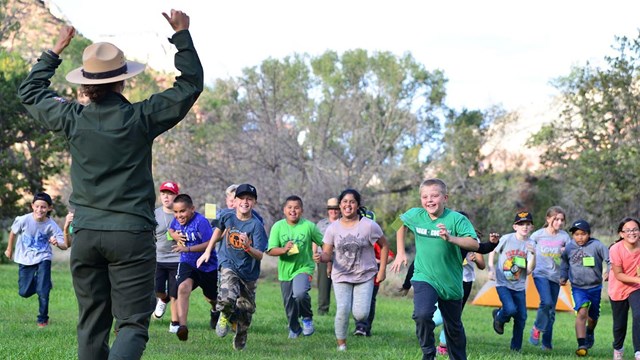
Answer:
(103, 63)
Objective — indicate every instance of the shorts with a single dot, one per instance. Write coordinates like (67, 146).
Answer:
(166, 278)
(208, 281)
(588, 297)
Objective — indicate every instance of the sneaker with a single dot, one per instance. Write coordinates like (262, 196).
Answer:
(43, 324)
(342, 347)
(294, 334)
(637, 355)
(534, 338)
(161, 307)
(546, 348)
(240, 341)
(442, 350)
(182, 333)
(222, 327)
(215, 315)
(173, 327)
(618, 354)
(582, 351)
(360, 332)
(498, 327)
(590, 340)
(307, 327)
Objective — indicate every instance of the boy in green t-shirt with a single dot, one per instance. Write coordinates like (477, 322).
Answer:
(439, 233)
(291, 240)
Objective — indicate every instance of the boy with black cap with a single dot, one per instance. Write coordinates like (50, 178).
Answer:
(516, 259)
(582, 265)
(242, 249)
(36, 233)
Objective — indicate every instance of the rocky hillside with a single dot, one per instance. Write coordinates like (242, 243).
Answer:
(38, 28)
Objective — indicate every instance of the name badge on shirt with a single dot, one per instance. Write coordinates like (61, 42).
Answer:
(588, 261)
(520, 261)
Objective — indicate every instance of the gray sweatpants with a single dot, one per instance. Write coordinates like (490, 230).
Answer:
(354, 298)
(297, 302)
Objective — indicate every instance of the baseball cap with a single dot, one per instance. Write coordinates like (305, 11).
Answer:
(170, 186)
(523, 216)
(246, 189)
(580, 225)
(44, 197)
(333, 203)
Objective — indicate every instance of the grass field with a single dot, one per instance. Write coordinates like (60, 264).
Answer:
(393, 332)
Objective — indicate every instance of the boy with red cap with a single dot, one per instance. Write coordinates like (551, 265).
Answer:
(167, 260)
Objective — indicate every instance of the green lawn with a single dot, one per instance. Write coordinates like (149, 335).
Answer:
(393, 333)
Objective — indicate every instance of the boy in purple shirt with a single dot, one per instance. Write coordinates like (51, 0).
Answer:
(192, 232)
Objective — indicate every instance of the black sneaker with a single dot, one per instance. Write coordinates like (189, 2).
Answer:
(214, 319)
(183, 333)
(589, 340)
(240, 341)
(360, 332)
(498, 327)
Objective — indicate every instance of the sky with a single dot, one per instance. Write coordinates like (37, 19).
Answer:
(493, 52)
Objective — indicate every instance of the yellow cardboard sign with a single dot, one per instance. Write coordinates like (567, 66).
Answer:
(294, 250)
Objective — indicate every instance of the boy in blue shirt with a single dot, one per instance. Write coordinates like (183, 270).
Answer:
(244, 241)
(36, 233)
(192, 232)
(582, 261)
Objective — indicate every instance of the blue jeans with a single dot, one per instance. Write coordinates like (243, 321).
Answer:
(514, 305)
(548, 291)
(425, 298)
(36, 279)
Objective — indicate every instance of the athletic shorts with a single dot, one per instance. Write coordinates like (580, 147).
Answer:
(208, 281)
(588, 297)
(166, 278)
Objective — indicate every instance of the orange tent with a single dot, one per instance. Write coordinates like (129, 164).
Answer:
(488, 296)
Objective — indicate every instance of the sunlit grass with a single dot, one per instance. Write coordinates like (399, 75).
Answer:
(393, 332)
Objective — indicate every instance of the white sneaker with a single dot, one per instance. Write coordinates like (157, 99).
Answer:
(637, 355)
(342, 347)
(618, 354)
(161, 307)
(307, 327)
(173, 328)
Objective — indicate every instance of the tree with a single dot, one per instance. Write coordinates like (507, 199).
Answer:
(29, 154)
(593, 145)
(313, 126)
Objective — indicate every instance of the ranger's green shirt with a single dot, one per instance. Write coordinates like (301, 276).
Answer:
(110, 142)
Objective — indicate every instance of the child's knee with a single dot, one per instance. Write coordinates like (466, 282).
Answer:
(300, 295)
(360, 315)
(245, 305)
(184, 289)
(423, 316)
